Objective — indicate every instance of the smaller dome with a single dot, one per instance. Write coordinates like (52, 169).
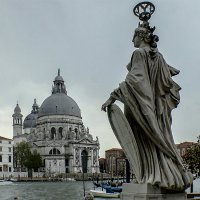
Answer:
(17, 109)
(30, 120)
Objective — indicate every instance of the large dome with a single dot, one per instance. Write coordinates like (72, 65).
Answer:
(59, 104)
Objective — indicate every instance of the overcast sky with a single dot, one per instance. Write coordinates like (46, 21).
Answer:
(90, 41)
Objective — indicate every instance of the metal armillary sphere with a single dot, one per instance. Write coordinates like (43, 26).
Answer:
(144, 10)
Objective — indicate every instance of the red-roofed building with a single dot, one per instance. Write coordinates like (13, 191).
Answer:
(115, 161)
(182, 147)
(3, 138)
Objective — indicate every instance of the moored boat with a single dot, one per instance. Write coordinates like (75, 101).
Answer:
(68, 179)
(98, 193)
(5, 182)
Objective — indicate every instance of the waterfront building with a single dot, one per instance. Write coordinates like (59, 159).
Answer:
(182, 147)
(115, 161)
(6, 157)
(56, 131)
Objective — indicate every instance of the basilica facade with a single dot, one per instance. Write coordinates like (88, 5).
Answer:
(56, 131)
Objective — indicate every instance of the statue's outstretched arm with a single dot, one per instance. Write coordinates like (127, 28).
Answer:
(109, 102)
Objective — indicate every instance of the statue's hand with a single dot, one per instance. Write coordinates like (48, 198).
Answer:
(107, 104)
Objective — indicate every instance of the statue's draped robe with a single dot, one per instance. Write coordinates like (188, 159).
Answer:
(149, 94)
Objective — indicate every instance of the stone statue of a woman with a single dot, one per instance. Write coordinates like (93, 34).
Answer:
(149, 95)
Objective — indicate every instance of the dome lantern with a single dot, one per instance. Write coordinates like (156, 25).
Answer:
(59, 85)
(35, 107)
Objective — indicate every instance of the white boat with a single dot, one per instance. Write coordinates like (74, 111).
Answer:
(98, 193)
(14, 180)
(4, 182)
(68, 179)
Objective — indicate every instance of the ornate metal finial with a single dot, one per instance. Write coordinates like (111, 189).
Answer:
(144, 10)
(59, 72)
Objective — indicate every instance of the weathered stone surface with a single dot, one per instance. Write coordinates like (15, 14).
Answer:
(149, 95)
(148, 192)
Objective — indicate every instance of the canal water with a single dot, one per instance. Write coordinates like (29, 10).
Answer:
(53, 190)
(45, 190)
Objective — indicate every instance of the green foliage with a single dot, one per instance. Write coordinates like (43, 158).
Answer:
(36, 160)
(192, 158)
(21, 153)
(23, 157)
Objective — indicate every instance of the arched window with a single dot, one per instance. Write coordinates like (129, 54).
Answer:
(58, 152)
(53, 133)
(67, 165)
(69, 134)
(54, 151)
(76, 133)
(84, 156)
(60, 133)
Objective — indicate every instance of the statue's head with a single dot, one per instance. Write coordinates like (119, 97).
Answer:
(144, 33)
(144, 36)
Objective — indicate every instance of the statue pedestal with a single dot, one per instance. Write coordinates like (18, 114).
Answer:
(132, 191)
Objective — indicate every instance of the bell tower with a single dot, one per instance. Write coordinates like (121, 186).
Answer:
(17, 121)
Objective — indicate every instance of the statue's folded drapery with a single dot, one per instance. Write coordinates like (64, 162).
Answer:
(149, 94)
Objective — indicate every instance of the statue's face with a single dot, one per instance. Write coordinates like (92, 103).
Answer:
(136, 41)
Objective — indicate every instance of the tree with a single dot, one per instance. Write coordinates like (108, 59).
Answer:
(21, 154)
(192, 157)
(24, 158)
(35, 160)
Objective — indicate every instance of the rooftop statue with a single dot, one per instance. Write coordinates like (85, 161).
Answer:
(149, 95)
